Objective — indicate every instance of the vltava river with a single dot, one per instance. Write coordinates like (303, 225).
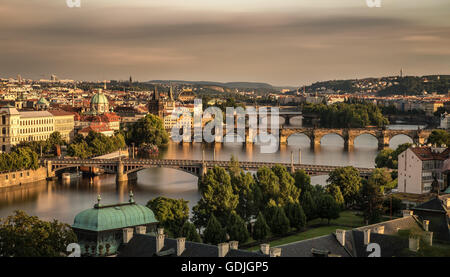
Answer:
(62, 201)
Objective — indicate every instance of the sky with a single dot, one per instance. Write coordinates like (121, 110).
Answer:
(283, 42)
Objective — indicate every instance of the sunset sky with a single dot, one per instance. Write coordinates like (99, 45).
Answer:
(283, 42)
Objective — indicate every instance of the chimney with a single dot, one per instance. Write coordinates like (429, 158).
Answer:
(379, 230)
(234, 244)
(265, 248)
(275, 252)
(413, 244)
(159, 240)
(429, 238)
(127, 234)
(407, 213)
(223, 249)
(181, 245)
(366, 236)
(141, 229)
(340, 236)
(426, 225)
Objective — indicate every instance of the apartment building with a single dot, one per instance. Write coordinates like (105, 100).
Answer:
(420, 169)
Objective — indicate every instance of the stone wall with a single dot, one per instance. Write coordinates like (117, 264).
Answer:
(17, 178)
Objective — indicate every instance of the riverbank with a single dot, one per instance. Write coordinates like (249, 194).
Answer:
(18, 178)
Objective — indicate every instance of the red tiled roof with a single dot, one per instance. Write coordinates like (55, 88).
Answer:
(96, 127)
(60, 112)
(425, 153)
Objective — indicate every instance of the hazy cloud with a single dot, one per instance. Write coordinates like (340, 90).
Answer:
(285, 43)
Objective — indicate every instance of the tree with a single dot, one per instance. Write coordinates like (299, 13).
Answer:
(302, 181)
(261, 229)
(328, 208)
(335, 191)
(289, 193)
(371, 201)
(149, 130)
(22, 235)
(309, 206)
(348, 181)
(236, 228)
(214, 233)
(277, 219)
(439, 137)
(296, 215)
(190, 232)
(218, 198)
(244, 186)
(381, 178)
(171, 213)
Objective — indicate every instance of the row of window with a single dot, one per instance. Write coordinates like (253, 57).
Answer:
(14, 175)
(36, 121)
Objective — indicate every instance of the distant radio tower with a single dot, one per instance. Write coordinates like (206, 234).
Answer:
(401, 72)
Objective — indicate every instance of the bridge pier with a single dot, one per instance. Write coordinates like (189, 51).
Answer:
(121, 176)
(50, 173)
(383, 142)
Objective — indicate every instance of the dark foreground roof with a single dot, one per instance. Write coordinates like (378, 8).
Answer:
(145, 246)
(304, 248)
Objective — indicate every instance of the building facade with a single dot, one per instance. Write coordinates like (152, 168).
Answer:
(420, 169)
(17, 126)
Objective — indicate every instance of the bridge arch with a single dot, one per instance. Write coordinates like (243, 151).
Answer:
(397, 139)
(370, 137)
(330, 134)
(299, 139)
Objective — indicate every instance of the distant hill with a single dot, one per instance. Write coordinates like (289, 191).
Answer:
(385, 86)
(239, 85)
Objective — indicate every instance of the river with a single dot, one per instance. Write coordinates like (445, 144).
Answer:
(62, 201)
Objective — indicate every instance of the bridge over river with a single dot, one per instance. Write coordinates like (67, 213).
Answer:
(126, 169)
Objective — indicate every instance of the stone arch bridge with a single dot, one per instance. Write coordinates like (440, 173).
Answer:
(315, 135)
(126, 169)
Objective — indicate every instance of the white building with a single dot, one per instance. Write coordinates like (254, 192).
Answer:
(419, 167)
(445, 121)
(21, 126)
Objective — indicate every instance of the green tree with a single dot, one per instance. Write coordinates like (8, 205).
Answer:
(218, 198)
(289, 193)
(149, 130)
(171, 213)
(261, 230)
(189, 232)
(439, 137)
(237, 229)
(276, 219)
(22, 235)
(348, 181)
(309, 206)
(381, 178)
(328, 208)
(302, 181)
(296, 215)
(335, 191)
(371, 201)
(214, 233)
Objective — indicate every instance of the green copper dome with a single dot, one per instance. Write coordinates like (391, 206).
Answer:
(110, 217)
(43, 101)
(99, 98)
